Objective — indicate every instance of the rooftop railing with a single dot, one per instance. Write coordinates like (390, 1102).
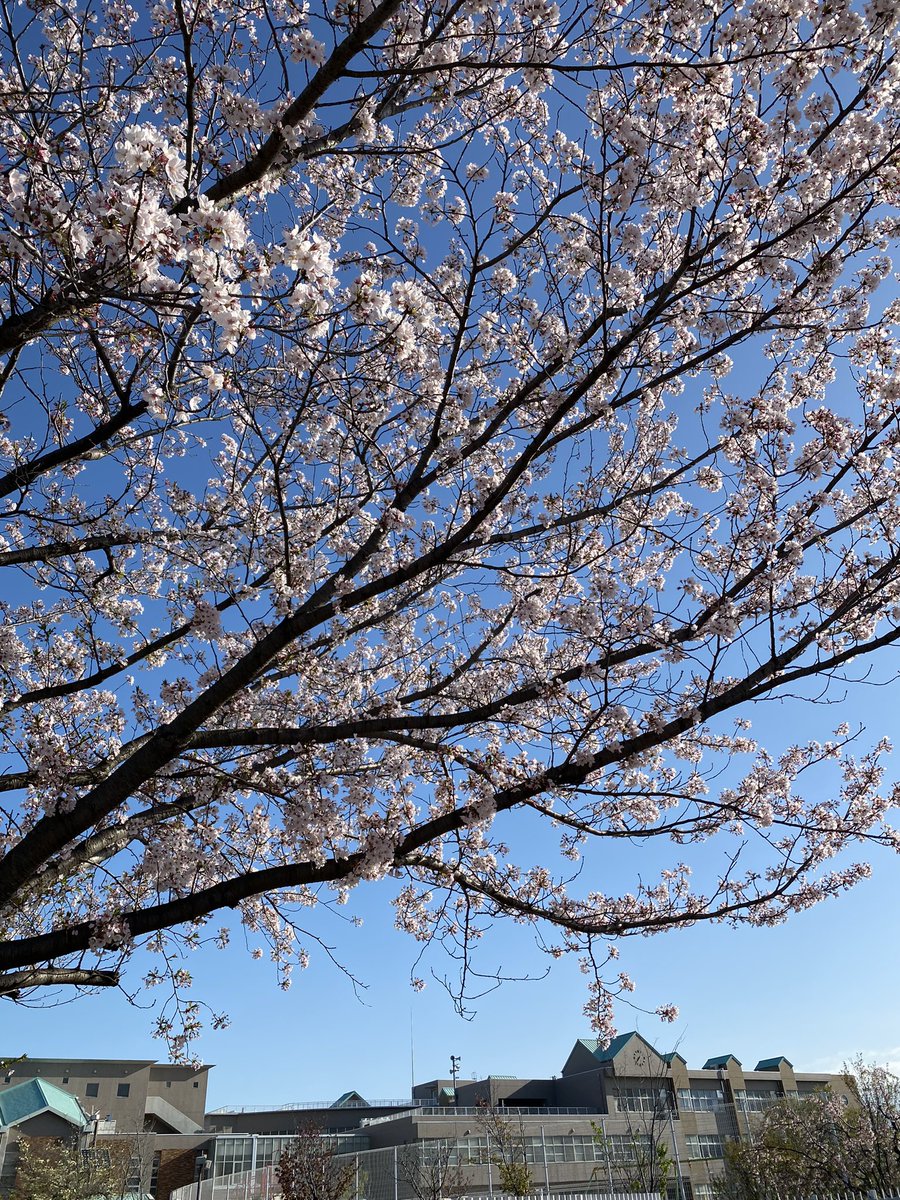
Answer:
(423, 1110)
(301, 1105)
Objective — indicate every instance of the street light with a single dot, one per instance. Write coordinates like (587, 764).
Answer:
(200, 1170)
(454, 1075)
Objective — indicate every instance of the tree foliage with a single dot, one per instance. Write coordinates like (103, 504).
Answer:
(421, 419)
(820, 1143)
(430, 1170)
(641, 1159)
(507, 1149)
(56, 1170)
(309, 1168)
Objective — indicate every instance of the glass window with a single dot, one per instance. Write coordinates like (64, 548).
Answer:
(123, 1089)
(704, 1145)
(757, 1099)
(629, 1147)
(92, 1089)
(642, 1099)
(700, 1099)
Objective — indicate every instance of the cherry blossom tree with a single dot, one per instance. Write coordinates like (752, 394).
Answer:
(825, 1141)
(428, 422)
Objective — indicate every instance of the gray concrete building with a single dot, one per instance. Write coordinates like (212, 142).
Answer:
(124, 1095)
(599, 1124)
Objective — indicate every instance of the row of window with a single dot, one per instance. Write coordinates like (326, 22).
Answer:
(565, 1148)
(232, 1155)
(657, 1100)
(700, 1099)
(642, 1099)
(235, 1154)
(704, 1145)
(93, 1089)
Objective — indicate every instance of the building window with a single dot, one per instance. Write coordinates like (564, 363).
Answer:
(642, 1099)
(168, 1083)
(65, 1079)
(704, 1145)
(699, 1099)
(92, 1089)
(123, 1089)
(196, 1084)
(757, 1099)
(629, 1147)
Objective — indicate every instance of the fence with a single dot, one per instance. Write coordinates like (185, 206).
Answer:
(384, 1174)
(561, 1196)
(379, 1175)
(263, 1185)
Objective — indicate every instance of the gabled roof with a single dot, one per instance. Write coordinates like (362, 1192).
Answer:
(617, 1044)
(772, 1064)
(672, 1055)
(34, 1096)
(721, 1060)
(351, 1100)
(604, 1054)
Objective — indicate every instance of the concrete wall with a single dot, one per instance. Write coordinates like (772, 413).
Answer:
(182, 1087)
(106, 1076)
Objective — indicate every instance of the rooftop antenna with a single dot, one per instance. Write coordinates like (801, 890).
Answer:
(412, 1056)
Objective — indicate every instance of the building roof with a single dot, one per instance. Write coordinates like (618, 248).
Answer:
(672, 1055)
(721, 1060)
(350, 1100)
(772, 1064)
(617, 1044)
(86, 1062)
(607, 1053)
(34, 1096)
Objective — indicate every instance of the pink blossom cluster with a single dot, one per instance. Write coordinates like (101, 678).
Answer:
(417, 423)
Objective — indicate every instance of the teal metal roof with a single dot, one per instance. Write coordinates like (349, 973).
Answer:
(608, 1053)
(772, 1064)
(350, 1100)
(672, 1055)
(720, 1060)
(33, 1096)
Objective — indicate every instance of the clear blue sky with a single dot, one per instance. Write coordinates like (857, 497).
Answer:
(819, 990)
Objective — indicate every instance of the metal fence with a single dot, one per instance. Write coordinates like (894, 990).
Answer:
(561, 1196)
(371, 1183)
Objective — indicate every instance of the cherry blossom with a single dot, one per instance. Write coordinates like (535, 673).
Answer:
(419, 421)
